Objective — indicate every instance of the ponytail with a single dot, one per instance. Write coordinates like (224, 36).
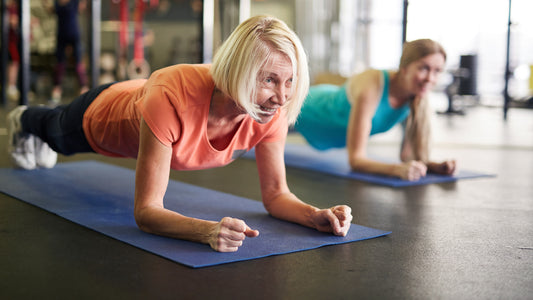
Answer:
(417, 131)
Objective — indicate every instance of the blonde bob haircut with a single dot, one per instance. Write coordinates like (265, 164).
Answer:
(238, 61)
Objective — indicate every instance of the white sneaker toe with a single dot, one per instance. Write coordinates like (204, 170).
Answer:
(45, 157)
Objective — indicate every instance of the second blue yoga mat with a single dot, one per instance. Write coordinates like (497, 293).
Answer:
(335, 162)
(100, 197)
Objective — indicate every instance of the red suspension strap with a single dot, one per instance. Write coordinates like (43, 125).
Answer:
(139, 67)
(138, 43)
(123, 30)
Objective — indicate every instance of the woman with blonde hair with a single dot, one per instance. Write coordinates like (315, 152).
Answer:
(373, 102)
(189, 117)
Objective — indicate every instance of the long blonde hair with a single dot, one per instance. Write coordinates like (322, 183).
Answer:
(239, 59)
(418, 129)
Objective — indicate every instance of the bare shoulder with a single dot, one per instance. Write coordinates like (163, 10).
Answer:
(367, 76)
(365, 84)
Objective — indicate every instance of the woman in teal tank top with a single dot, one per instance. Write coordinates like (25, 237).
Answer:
(373, 102)
(326, 112)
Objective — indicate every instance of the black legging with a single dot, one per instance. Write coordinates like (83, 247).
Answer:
(62, 127)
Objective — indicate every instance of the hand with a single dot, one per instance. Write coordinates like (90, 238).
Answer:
(445, 168)
(336, 219)
(229, 234)
(413, 170)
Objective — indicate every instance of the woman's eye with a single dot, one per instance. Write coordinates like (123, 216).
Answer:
(289, 83)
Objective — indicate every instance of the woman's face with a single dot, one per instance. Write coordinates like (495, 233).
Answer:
(274, 83)
(421, 75)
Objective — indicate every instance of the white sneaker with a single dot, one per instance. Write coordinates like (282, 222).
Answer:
(56, 96)
(45, 157)
(20, 146)
(13, 93)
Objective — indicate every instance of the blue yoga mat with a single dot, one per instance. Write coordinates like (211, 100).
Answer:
(100, 196)
(335, 162)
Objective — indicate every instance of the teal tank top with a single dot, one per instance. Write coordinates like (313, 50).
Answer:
(323, 120)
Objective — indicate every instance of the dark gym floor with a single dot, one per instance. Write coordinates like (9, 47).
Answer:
(472, 239)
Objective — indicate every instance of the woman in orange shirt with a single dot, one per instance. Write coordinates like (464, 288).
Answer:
(189, 117)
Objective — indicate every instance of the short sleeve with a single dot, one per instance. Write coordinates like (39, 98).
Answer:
(158, 111)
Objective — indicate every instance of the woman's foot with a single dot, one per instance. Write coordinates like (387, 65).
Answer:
(56, 95)
(45, 157)
(20, 146)
(13, 93)
(26, 150)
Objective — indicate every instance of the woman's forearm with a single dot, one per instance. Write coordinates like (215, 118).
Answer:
(164, 222)
(375, 167)
(289, 208)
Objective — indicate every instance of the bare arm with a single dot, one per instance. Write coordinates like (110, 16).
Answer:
(152, 173)
(365, 90)
(282, 204)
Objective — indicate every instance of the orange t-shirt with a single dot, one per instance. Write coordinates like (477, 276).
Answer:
(174, 102)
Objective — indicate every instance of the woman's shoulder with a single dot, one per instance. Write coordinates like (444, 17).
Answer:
(368, 81)
(183, 85)
(183, 77)
(370, 78)
(184, 70)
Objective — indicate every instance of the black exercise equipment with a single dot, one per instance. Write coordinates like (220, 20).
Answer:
(464, 82)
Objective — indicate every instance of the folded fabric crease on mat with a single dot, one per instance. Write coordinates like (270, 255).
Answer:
(335, 162)
(100, 197)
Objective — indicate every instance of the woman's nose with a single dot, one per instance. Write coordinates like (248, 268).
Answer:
(282, 94)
